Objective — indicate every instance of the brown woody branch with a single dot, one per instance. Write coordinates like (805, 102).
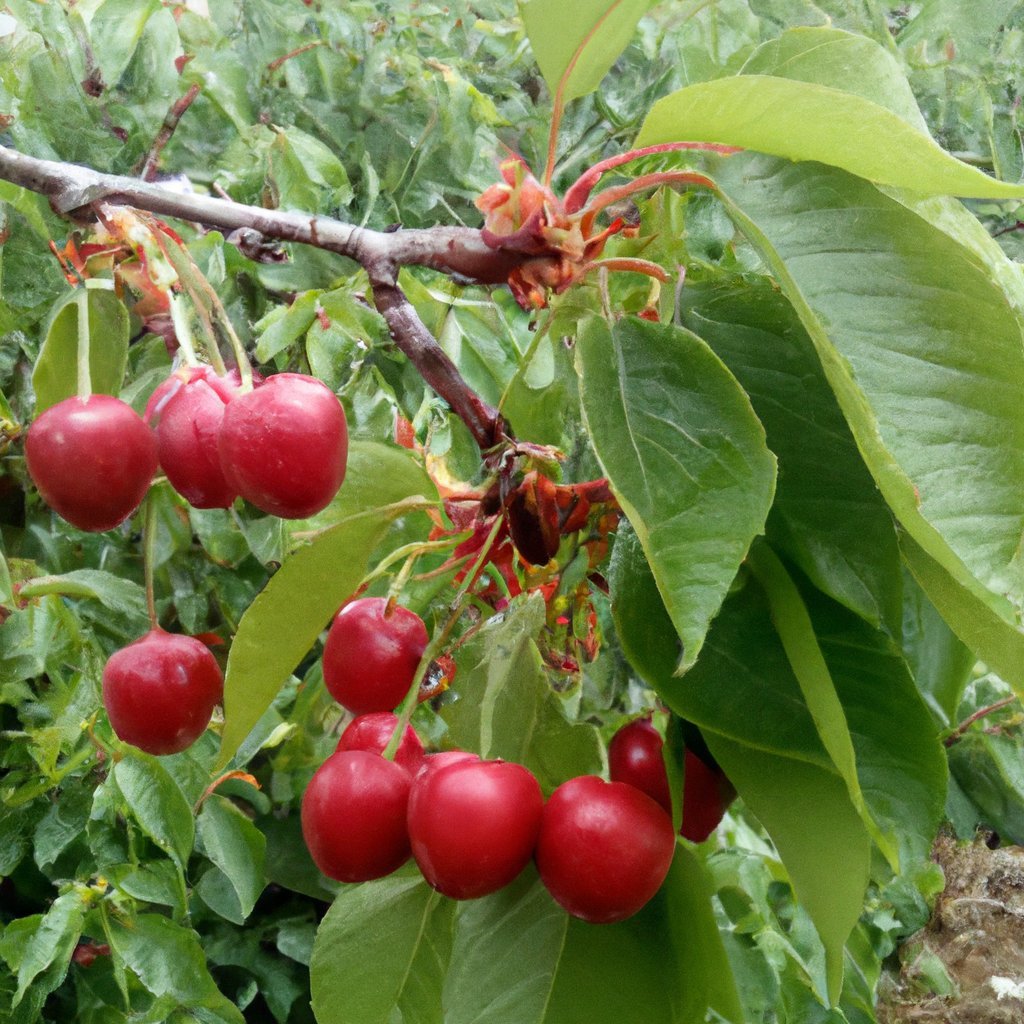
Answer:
(459, 252)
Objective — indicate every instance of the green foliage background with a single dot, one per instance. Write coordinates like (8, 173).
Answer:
(823, 675)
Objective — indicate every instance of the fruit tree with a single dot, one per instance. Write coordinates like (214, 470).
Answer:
(509, 512)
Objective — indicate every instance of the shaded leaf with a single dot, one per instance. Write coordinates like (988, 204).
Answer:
(685, 456)
(236, 846)
(51, 941)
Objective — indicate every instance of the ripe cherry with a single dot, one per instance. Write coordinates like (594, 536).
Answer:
(473, 825)
(635, 757)
(284, 445)
(187, 435)
(371, 654)
(160, 691)
(604, 848)
(373, 732)
(353, 816)
(92, 459)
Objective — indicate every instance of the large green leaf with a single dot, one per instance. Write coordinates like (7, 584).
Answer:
(506, 709)
(506, 952)
(685, 455)
(577, 52)
(281, 625)
(370, 948)
(924, 355)
(828, 516)
(803, 121)
(51, 942)
(236, 846)
(55, 375)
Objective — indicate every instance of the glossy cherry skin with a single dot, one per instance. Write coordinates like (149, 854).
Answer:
(432, 762)
(187, 444)
(161, 691)
(370, 658)
(634, 756)
(604, 848)
(92, 459)
(373, 732)
(473, 825)
(353, 816)
(283, 446)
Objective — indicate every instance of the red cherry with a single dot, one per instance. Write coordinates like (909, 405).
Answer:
(432, 762)
(370, 657)
(283, 446)
(604, 848)
(634, 756)
(353, 816)
(161, 690)
(92, 459)
(187, 445)
(473, 825)
(373, 732)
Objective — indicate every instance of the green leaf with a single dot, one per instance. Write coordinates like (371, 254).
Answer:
(285, 324)
(115, 30)
(969, 615)
(506, 952)
(575, 53)
(169, 961)
(685, 456)
(701, 956)
(828, 516)
(805, 121)
(795, 630)
(774, 758)
(507, 710)
(236, 846)
(281, 625)
(157, 804)
(52, 941)
(55, 376)
(990, 771)
(923, 353)
(305, 174)
(113, 592)
(392, 924)
(940, 662)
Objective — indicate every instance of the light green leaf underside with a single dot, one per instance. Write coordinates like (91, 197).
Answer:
(685, 455)
(806, 121)
(922, 351)
(582, 43)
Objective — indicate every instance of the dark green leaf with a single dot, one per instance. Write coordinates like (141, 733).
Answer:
(157, 804)
(828, 515)
(169, 961)
(990, 770)
(920, 347)
(51, 942)
(55, 376)
(236, 846)
(113, 592)
(685, 455)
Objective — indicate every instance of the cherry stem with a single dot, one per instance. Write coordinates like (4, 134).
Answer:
(182, 331)
(957, 734)
(409, 551)
(438, 643)
(84, 371)
(630, 263)
(619, 192)
(149, 557)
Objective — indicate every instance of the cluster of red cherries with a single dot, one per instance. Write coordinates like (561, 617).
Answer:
(283, 446)
(601, 848)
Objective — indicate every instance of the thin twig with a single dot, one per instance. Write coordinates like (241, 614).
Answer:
(958, 732)
(174, 115)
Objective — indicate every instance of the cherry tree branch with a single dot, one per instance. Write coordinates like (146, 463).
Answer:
(457, 251)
